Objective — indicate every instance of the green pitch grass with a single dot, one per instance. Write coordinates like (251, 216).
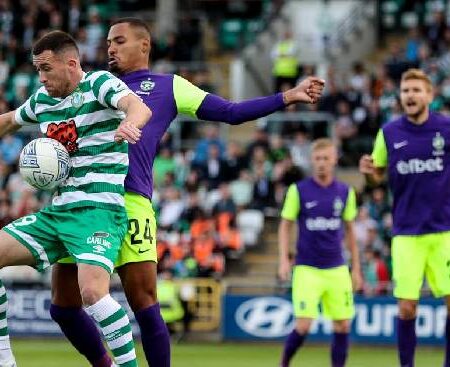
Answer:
(57, 353)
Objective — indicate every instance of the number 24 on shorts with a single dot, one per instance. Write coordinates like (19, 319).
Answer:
(135, 228)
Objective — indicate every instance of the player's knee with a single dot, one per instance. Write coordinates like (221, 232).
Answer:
(90, 295)
(142, 297)
(407, 310)
(302, 327)
(342, 327)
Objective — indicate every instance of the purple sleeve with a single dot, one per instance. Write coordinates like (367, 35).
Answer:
(215, 108)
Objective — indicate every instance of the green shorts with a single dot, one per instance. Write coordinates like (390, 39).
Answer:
(140, 241)
(416, 256)
(90, 235)
(332, 286)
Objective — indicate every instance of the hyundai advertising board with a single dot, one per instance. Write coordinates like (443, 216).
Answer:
(271, 318)
(28, 312)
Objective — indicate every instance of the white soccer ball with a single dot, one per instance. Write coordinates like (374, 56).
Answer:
(44, 163)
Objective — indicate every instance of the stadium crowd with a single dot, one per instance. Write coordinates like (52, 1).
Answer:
(201, 192)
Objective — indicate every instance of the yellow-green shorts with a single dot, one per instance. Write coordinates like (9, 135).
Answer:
(332, 287)
(416, 256)
(140, 241)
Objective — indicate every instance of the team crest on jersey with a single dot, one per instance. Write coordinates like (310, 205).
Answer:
(147, 85)
(338, 205)
(77, 99)
(438, 144)
(66, 133)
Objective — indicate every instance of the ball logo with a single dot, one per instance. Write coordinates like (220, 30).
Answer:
(265, 317)
(42, 179)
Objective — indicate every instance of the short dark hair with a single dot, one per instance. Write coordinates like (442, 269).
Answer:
(135, 23)
(56, 41)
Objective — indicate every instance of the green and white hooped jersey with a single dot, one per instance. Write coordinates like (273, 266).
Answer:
(85, 123)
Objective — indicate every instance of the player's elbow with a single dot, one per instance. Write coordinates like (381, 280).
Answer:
(234, 118)
(232, 115)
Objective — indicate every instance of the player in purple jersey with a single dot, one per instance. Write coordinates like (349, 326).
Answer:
(415, 153)
(168, 95)
(324, 208)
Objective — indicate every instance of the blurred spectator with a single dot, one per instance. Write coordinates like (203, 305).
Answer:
(234, 160)
(182, 167)
(6, 215)
(363, 224)
(344, 126)
(225, 203)
(396, 62)
(10, 148)
(412, 45)
(388, 99)
(260, 139)
(242, 189)
(211, 137)
(172, 310)
(378, 205)
(278, 150)
(87, 53)
(285, 61)
(375, 272)
(4, 69)
(369, 126)
(73, 16)
(259, 158)
(202, 79)
(164, 163)
(359, 77)
(192, 183)
(263, 190)
(171, 208)
(213, 171)
(331, 98)
(435, 31)
(5, 172)
(300, 150)
(95, 30)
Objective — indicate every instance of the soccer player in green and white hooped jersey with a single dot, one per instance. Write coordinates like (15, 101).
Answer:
(167, 95)
(91, 115)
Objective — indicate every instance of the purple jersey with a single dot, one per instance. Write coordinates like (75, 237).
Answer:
(167, 95)
(417, 158)
(156, 91)
(320, 212)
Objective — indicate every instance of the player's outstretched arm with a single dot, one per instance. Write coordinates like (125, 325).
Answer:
(8, 123)
(137, 115)
(284, 266)
(352, 246)
(212, 107)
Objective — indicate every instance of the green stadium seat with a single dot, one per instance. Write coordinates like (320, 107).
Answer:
(230, 33)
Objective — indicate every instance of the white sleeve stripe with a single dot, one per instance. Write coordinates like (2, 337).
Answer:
(107, 84)
(92, 77)
(29, 111)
